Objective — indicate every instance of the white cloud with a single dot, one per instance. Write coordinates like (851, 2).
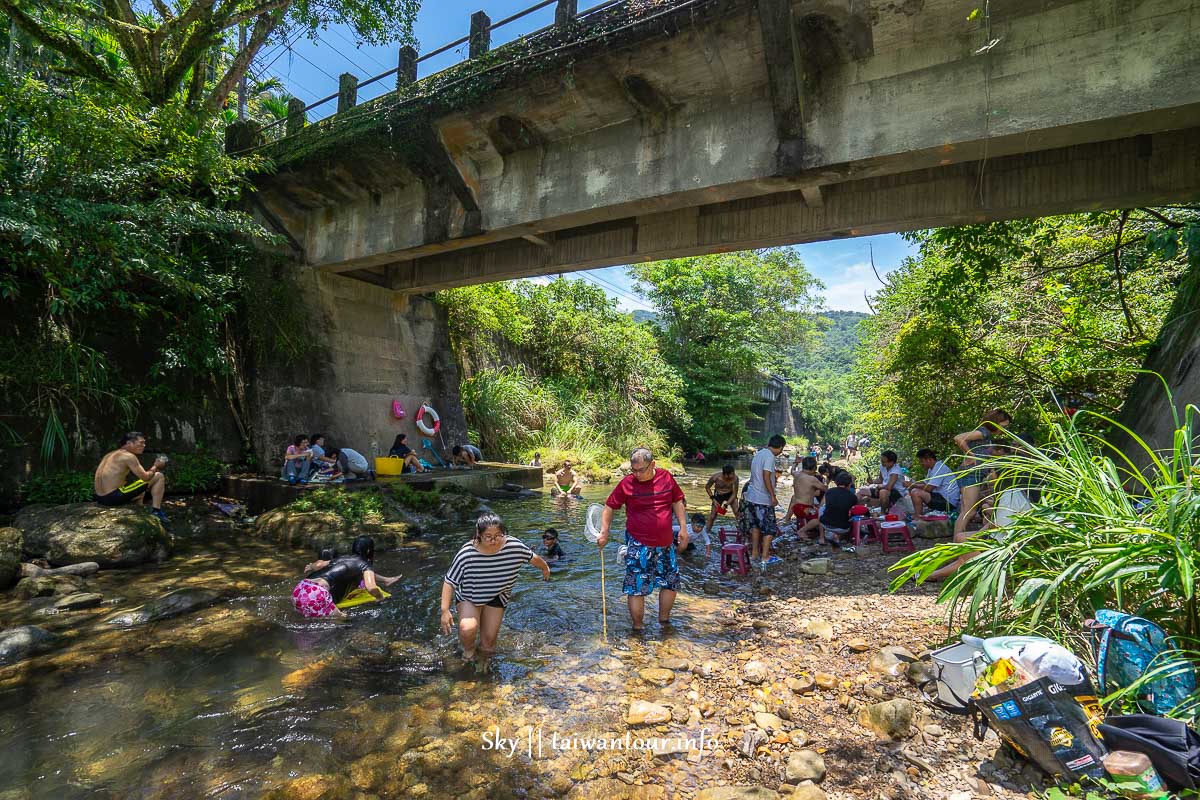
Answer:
(845, 289)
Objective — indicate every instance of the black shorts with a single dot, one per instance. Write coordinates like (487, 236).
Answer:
(894, 497)
(722, 497)
(937, 502)
(126, 494)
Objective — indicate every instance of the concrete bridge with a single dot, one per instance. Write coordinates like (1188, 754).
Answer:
(653, 130)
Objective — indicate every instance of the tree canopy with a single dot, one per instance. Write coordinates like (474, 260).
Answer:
(723, 321)
(165, 50)
(1013, 314)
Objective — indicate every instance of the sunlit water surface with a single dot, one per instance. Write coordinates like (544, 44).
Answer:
(234, 700)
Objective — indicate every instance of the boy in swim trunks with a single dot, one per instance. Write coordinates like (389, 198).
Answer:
(109, 487)
(567, 482)
(722, 489)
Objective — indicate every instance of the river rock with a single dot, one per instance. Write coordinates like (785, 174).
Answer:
(820, 629)
(934, 529)
(316, 530)
(78, 600)
(805, 765)
(83, 569)
(642, 712)
(891, 660)
(891, 719)
(81, 532)
(816, 566)
(11, 542)
(17, 644)
(29, 588)
(754, 671)
(920, 673)
(808, 792)
(858, 645)
(802, 685)
(172, 604)
(738, 793)
(674, 663)
(657, 676)
(768, 722)
(826, 680)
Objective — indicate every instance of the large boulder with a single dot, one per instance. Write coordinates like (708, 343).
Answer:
(79, 532)
(934, 529)
(316, 530)
(11, 542)
(172, 604)
(17, 644)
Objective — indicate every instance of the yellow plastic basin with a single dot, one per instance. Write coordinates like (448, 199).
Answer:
(388, 465)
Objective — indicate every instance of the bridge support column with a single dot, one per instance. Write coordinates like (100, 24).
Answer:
(481, 34)
(406, 67)
(565, 12)
(295, 116)
(785, 74)
(347, 92)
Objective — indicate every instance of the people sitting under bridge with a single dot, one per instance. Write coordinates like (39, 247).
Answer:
(297, 461)
(465, 456)
(400, 449)
(351, 465)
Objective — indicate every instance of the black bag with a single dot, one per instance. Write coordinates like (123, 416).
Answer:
(1171, 746)
(1046, 723)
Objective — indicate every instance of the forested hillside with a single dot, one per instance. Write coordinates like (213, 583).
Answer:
(825, 393)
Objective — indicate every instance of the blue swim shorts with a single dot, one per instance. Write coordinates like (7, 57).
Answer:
(649, 568)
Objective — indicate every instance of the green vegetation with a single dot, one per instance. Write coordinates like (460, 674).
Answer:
(57, 488)
(1106, 532)
(186, 53)
(824, 386)
(415, 499)
(1017, 315)
(361, 506)
(721, 320)
(190, 473)
(592, 384)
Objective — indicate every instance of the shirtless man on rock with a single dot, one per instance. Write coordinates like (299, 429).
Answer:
(110, 487)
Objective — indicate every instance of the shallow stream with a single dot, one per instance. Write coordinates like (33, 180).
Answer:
(244, 699)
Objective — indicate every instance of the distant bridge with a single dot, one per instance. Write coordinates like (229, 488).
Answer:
(646, 130)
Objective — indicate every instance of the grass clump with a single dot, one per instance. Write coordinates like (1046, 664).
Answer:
(57, 488)
(357, 507)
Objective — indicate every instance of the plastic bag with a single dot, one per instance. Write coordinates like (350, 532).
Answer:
(397, 409)
(1048, 724)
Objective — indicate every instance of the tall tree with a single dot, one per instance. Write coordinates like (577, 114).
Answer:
(167, 48)
(725, 320)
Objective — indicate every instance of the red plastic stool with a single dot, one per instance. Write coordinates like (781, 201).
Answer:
(861, 529)
(734, 558)
(730, 535)
(890, 529)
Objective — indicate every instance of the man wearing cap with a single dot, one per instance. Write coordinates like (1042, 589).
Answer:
(651, 498)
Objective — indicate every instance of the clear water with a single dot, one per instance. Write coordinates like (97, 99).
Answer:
(235, 700)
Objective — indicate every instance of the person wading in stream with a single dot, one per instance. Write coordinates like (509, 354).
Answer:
(650, 497)
(480, 580)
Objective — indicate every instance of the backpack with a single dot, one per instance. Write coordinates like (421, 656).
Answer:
(1171, 745)
(1126, 647)
(397, 409)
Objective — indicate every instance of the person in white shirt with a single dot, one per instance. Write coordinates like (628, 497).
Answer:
(891, 490)
(757, 515)
(939, 491)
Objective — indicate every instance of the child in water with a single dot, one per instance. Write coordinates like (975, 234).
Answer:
(699, 534)
(554, 550)
(480, 580)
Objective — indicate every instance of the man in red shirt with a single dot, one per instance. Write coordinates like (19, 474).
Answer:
(650, 497)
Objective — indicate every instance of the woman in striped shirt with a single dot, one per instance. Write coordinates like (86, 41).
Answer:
(480, 580)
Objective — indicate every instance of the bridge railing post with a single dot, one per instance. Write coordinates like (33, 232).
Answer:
(406, 67)
(481, 34)
(295, 116)
(565, 12)
(347, 92)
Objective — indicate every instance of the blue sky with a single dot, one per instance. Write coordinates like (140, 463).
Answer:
(309, 70)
